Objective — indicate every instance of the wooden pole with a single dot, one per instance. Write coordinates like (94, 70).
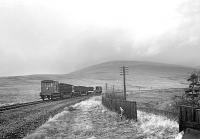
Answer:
(124, 77)
(123, 72)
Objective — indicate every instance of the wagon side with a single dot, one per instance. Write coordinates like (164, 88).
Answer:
(80, 90)
(49, 89)
(65, 90)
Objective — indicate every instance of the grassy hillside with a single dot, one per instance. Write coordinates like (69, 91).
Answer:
(146, 75)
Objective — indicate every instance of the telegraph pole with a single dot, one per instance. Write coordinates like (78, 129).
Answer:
(123, 72)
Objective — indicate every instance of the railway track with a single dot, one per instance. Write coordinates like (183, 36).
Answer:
(14, 106)
(17, 123)
(18, 105)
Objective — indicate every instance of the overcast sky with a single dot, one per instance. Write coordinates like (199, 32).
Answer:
(60, 36)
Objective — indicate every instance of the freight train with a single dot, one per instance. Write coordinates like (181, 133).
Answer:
(53, 89)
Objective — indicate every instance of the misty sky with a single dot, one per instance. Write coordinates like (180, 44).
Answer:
(59, 36)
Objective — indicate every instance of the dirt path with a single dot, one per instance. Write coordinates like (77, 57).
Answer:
(90, 120)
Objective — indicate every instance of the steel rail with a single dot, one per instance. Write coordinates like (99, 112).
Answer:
(18, 105)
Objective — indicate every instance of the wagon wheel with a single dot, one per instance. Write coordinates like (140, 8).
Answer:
(42, 97)
(48, 97)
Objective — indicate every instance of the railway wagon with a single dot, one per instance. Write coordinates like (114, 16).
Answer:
(90, 90)
(49, 89)
(65, 90)
(80, 90)
(53, 89)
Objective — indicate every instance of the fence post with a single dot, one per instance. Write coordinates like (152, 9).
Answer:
(135, 111)
(180, 119)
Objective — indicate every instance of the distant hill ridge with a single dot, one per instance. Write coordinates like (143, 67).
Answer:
(113, 67)
(135, 67)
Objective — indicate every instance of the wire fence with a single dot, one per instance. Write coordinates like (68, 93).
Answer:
(114, 92)
(113, 96)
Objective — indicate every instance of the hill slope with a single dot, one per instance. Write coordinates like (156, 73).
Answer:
(146, 75)
(140, 74)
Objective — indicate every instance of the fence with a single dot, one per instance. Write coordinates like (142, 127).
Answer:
(189, 117)
(114, 95)
(129, 107)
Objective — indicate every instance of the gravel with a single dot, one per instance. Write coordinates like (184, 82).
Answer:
(17, 123)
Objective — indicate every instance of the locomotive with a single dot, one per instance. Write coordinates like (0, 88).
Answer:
(51, 89)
